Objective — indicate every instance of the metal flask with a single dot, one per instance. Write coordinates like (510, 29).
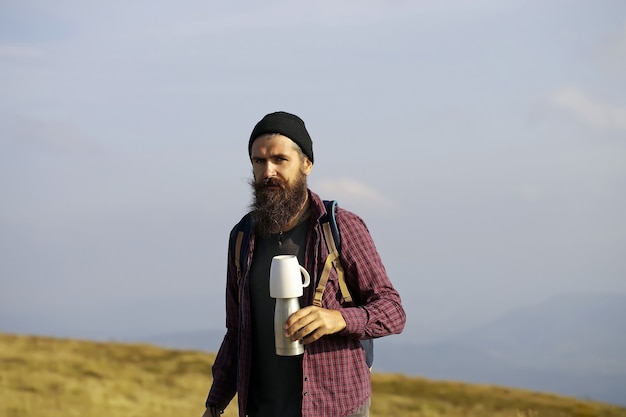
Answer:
(285, 307)
(286, 284)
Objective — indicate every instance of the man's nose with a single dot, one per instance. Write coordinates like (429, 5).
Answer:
(269, 170)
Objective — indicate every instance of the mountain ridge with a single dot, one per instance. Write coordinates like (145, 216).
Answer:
(81, 377)
(572, 344)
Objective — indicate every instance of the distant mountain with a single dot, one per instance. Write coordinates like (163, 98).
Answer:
(148, 381)
(461, 363)
(570, 345)
(205, 340)
(574, 332)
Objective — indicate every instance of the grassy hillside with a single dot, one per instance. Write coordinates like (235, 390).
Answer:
(59, 378)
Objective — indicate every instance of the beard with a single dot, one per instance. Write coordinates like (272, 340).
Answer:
(274, 208)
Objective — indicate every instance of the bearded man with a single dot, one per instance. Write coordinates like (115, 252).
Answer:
(331, 378)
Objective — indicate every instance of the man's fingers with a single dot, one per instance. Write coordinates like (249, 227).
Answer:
(298, 328)
(298, 315)
(311, 323)
(306, 330)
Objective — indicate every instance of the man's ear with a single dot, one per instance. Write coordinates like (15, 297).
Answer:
(308, 166)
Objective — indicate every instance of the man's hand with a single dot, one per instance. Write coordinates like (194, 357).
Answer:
(212, 412)
(311, 323)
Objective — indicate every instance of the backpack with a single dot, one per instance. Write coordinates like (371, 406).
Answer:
(332, 238)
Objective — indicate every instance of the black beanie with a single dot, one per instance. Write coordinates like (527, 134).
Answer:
(286, 124)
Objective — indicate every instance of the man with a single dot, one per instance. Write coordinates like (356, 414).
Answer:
(331, 378)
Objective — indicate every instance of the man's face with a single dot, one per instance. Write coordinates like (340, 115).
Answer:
(279, 183)
(275, 156)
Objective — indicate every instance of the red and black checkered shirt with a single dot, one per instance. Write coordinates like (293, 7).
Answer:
(335, 376)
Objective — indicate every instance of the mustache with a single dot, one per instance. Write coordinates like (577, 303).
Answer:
(270, 182)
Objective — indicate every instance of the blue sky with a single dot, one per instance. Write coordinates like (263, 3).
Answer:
(483, 142)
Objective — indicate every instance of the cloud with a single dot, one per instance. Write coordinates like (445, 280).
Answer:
(350, 192)
(612, 53)
(50, 135)
(20, 52)
(591, 111)
(324, 12)
(530, 193)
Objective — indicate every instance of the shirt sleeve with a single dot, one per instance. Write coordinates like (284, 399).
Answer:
(224, 369)
(378, 311)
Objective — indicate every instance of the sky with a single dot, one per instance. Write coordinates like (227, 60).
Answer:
(483, 142)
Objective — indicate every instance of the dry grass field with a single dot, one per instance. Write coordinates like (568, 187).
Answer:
(50, 377)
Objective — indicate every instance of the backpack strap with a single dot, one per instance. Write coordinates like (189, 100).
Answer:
(241, 247)
(333, 242)
(238, 260)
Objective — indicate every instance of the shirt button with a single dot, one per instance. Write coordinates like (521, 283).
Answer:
(306, 393)
(306, 379)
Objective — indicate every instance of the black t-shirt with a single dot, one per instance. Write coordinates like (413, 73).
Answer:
(275, 381)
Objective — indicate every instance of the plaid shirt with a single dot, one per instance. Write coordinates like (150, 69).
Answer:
(335, 377)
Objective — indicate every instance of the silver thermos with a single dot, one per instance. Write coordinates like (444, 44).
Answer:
(286, 287)
(285, 307)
